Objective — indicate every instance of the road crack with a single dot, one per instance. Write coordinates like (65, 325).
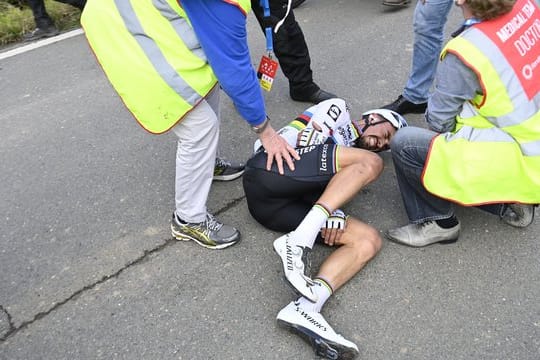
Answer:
(15, 329)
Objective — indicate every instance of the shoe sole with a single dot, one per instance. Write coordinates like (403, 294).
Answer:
(183, 237)
(228, 177)
(41, 37)
(295, 290)
(403, 3)
(442, 242)
(323, 347)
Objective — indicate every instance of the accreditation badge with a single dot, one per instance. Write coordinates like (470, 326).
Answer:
(267, 72)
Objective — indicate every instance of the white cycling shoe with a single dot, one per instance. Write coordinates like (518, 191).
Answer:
(295, 263)
(313, 328)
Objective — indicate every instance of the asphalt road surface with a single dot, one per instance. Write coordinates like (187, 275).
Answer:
(89, 269)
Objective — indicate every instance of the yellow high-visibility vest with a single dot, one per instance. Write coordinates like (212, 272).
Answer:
(493, 155)
(151, 56)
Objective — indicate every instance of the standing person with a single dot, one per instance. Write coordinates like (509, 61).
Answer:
(291, 51)
(483, 148)
(429, 20)
(305, 204)
(224, 170)
(167, 61)
(44, 24)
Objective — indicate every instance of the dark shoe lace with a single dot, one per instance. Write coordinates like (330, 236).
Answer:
(212, 223)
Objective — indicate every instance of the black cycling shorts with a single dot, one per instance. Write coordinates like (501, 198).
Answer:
(280, 202)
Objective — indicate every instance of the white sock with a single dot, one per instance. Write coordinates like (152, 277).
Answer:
(306, 233)
(323, 290)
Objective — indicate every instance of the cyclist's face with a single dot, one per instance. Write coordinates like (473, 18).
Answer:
(377, 136)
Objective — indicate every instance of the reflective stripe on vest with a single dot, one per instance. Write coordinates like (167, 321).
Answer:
(494, 154)
(151, 56)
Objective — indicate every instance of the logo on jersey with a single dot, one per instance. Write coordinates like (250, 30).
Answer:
(324, 158)
(334, 112)
(346, 134)
(305, 150)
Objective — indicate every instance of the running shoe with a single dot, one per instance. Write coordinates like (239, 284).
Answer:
(210, 233)
(226, 170)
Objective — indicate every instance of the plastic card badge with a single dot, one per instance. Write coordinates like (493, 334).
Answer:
(267, 72)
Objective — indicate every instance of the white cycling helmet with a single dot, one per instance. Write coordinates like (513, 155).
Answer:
(393, 117)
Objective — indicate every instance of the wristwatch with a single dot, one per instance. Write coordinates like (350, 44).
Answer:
(260, 128)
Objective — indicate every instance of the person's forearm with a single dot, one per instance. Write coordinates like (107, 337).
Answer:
(455, 84)
(439, 120)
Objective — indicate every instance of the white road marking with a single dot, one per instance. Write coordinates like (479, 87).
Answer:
(40, 43)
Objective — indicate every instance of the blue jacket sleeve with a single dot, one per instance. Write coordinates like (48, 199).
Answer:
(221, 30)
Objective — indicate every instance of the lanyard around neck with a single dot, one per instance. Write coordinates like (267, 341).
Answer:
(466, 24)
(268, 29)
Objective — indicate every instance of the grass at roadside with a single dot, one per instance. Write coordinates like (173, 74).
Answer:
(16, 20)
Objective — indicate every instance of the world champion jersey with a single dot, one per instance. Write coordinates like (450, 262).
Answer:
(331, 117)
